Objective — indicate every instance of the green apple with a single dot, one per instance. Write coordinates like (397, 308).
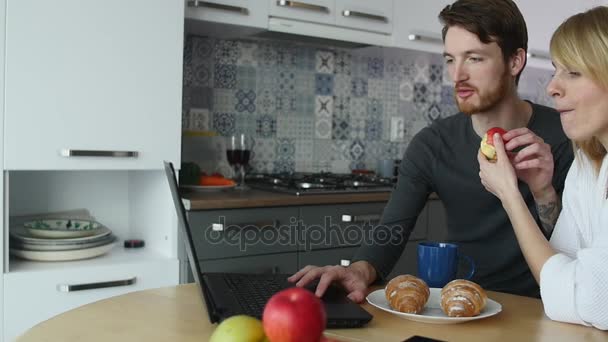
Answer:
(239, 328)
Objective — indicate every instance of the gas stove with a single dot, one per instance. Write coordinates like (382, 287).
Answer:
(300, 183)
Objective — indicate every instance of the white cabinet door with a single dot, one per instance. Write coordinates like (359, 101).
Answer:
(2, 227)
(32, 297)
(417, 24)
(374, 16)
(252, 13)
(93, 76)
(316, 11)
(542, 19)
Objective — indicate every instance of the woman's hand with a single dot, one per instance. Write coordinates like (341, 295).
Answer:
(499, 177)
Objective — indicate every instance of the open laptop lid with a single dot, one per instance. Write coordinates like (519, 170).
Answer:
(189, 244)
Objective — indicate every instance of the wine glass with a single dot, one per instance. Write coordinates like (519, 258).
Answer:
(238, 153)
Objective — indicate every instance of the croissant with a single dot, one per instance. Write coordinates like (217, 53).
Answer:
(407, 293)
(462, 298)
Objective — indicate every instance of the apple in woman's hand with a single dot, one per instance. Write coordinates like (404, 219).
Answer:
(487, 143)
(294, 315)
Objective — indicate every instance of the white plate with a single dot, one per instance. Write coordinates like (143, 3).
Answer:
(62, 247)
(22, 234)
(432, 312)
(62, 255)
(62, 228)
(208, 188)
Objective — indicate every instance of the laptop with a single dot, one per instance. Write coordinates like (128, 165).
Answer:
(228, 294)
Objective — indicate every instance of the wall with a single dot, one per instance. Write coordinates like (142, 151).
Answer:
(314, 108)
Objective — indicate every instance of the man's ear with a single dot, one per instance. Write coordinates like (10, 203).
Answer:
(517, 61)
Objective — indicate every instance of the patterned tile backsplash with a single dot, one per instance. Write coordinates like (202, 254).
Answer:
(314, 108)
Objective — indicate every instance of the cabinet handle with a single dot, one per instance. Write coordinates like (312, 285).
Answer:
(223, 7)
(94, 286)
(218, 227)
(425, 37)
(345, 262)
(99, 153)
(538, 54)
(363, 15)
(302, 5)
(360, 218)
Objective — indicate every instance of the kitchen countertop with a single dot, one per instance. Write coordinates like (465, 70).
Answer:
(258, 198)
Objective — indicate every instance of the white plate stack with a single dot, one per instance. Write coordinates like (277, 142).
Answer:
(60, 239)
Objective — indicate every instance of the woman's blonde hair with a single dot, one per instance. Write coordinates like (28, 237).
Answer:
(581, 43)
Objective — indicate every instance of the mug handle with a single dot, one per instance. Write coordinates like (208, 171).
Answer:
(471, 266)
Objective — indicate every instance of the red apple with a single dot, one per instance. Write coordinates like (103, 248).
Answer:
(487, 143)
(294, 315)
(490, 134)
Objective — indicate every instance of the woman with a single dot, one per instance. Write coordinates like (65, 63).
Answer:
(571, 269)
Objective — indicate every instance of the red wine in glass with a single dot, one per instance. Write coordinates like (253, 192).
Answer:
(238, 154)
(238, 157)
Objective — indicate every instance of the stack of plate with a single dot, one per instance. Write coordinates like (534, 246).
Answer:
(60, 239)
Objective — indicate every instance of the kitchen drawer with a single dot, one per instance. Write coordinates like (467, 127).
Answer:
(240, 232)
(347, 224)
(286, 263)
(338, 225)
(324, 257)
(32, 297)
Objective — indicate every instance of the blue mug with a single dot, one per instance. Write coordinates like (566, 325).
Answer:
(438, 263)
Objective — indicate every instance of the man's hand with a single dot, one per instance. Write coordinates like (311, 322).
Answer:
(355, 278)
(533, 163)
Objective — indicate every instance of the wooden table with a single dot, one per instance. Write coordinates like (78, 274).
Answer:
(178, 314)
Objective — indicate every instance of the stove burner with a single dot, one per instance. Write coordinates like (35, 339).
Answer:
(320, 183)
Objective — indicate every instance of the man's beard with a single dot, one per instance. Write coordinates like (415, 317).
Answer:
(486, 101)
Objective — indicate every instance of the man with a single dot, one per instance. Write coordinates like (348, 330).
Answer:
(485, 44)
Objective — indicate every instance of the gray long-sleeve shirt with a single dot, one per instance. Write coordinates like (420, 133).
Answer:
(442, 158)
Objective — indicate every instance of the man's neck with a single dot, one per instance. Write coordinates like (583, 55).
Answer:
(512, 112)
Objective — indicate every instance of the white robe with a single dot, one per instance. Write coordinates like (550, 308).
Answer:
(574, 282)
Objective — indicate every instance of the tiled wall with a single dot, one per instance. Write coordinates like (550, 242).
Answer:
(313, 108)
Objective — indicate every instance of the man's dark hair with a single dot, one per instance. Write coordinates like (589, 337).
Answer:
(497, 21)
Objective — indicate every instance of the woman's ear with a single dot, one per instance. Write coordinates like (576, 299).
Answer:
(517, 61)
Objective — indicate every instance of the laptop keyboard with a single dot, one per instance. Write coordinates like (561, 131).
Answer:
(253, 291)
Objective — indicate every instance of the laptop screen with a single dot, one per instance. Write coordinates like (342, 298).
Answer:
(185, 229)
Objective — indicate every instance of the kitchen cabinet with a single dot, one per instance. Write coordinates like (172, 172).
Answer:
(98, 88)
(221, 234)
(285, 239)
(360, 15)
(2, 220)
(133, 204)
(364, 15)
(417, 25)
(541, 25)
(226, 18)
(37, 296)
(339, 225)
(356, 21)
(351, 223)
(89, 77)
(315, 11)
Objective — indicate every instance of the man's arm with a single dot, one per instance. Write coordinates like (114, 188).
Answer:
(387, 241)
